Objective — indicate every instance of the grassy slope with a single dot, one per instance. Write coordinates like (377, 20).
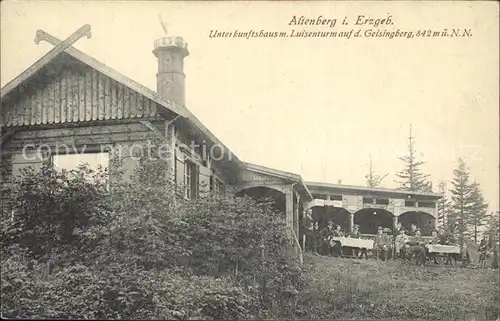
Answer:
(367, 289)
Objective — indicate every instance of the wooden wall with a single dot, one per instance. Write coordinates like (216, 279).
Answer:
(76, 93)
(75, 105)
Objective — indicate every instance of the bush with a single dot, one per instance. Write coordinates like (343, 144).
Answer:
(75, 250)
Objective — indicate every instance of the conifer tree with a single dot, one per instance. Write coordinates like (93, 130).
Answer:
(477, 217)
(460, 200)
(443, 205)
(411, 176)
(493, 227)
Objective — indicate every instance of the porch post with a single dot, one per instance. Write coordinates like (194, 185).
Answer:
(394, 222)
(289, 208)
(296, 214)
(351, 221)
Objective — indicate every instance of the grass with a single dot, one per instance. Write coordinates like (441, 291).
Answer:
(367, 289)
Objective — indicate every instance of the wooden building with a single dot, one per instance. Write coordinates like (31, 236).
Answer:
(74, 105)
(69, 104)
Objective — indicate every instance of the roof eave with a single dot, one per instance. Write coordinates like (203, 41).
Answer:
(368, 189)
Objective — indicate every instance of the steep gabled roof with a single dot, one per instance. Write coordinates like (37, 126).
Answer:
(102, 68)
(281, 174)
(122, 79)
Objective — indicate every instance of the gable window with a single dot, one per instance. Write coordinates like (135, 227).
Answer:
(217, 185)
(94, 161)
(190, 180)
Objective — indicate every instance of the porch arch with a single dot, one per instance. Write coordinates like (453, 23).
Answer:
(259, 193)
(423, 220)
(338, 215)
(369, 219)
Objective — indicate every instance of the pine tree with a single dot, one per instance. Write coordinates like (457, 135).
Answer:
(493, 227)
(372, 179)
(411, 177)
(443, 205)
(477, 217)
(493, 230)
(460, 200)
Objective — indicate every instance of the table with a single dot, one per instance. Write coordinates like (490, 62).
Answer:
(352, 242)
(444, 249)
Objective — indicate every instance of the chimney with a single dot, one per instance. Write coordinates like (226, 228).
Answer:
(170, 79)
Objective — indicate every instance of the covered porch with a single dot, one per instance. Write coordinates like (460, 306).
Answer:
(287, 190)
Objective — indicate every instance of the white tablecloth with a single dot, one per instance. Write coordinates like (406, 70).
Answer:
(438, 248)
(351, 242)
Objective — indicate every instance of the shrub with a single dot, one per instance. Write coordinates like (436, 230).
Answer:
(75, 250)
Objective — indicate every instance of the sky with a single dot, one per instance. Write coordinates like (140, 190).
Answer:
(317, 107)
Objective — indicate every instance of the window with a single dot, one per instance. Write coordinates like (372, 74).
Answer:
(93, 161)
(5, 166)
(409, 203)
(190, 180)
(367, 200)
(427, 204)
(217, 185)
(336, 197)
(72, 161)
(382, 201)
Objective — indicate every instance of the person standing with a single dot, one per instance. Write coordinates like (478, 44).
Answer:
(388, 248)
(400, 243)
(310, 241)
(495, 263)
(337, 246)
(317, 238)
(396, 233)
(355, 235)
(483, 252)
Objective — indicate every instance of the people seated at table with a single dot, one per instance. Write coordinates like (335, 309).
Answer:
(336, 245)
(417, 247)
(338, 231)
(381, 244)
(435, 239)
(446, 238)
(326, 235)
(356, 235)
